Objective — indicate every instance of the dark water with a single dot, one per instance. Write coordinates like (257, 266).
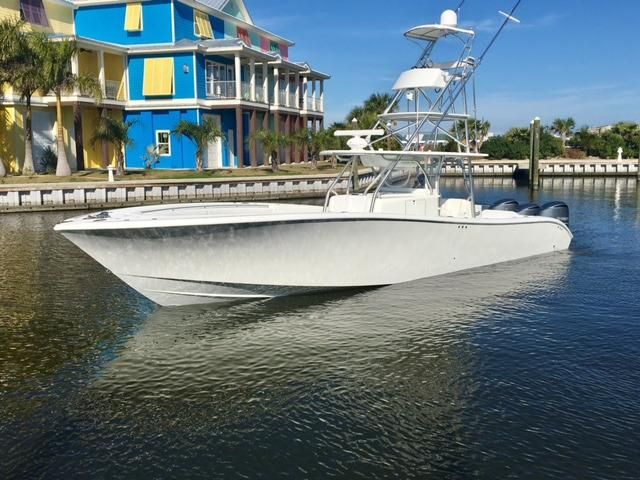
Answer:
(526, 370)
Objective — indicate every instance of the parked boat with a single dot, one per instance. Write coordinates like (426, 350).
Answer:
(385, 232)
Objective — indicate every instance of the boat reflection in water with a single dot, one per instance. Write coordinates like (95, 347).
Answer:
(222, 364)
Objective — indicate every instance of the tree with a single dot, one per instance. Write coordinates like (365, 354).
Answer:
(478, 132)
(115, 132)
(271, 143)
(21, 67)
(315, 142)
(201, 135)
(367, 114)
(377, 103)
(563, 127)
(58, 78)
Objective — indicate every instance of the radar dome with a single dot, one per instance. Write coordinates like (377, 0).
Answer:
(449, 18)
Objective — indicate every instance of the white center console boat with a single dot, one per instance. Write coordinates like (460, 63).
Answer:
(392, 228)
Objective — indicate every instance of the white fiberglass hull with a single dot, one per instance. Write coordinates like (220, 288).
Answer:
(260, 256)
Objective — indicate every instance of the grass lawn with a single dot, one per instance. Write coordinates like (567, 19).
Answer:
(144, 175)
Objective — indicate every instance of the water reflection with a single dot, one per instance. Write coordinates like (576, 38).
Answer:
(524, 367)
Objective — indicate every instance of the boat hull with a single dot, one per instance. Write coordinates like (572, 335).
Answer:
(263, 258)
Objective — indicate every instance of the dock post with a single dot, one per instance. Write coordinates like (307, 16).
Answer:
(534, 155)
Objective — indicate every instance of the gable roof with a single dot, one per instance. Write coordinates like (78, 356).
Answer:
(236, 8)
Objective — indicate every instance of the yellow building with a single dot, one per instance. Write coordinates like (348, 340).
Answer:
(80, 113)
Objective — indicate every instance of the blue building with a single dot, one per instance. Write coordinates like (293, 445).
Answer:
(162, 61)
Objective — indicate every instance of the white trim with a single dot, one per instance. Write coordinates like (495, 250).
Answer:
(168, 143)
(127, 85)
(195, 76)
(173, 22)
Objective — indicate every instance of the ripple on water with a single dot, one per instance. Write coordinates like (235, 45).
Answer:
(529, 369)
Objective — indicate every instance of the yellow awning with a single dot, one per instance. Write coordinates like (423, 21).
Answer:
(203, 25)
(158, 77)
(133, 17)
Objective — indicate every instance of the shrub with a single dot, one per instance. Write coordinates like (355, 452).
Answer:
(575, 153)
(48, 161)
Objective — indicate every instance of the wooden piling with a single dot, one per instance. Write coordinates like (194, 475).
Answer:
(534, 155)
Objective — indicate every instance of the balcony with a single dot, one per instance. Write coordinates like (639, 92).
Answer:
(221, 90)
(114, 90)
(282, 97)
(260, 97)
(292, 100)
(246, 90)
(313, 104)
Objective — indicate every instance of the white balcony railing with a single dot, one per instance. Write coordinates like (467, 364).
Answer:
(282, 97)
(260, 94)
(246, 90)
(221, 90)
(293, 100)
(113, 90)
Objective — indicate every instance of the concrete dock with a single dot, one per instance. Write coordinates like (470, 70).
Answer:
(98, 195)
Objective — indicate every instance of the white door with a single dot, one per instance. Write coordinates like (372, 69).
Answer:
(213, 154)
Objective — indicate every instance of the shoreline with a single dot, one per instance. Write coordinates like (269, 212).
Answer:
(87, 195)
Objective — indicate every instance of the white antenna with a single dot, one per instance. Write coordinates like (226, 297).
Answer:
(509, 17)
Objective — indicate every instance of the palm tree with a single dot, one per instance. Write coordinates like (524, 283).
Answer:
(478, 131)
(59, 78)
(367, 114)
(564, 127)
(201, 135)
(271, 144)
(377, 103)
(21, 68)
(116, 132)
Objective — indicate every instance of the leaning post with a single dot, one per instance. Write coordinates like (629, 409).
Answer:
(534, 155)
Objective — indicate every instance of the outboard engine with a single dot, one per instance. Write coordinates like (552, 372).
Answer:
(529, 209)
(506, 204)
(558, 210)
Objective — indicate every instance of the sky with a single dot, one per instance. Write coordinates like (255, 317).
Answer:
(577, 58)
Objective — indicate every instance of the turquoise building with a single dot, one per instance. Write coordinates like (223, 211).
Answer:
(162, 61)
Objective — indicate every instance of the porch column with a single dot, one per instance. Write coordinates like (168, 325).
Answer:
(322, 95)
(101, 76)
(287, 87)
(265, 82)
(252, 130)
(305, 95)
(252, 70)
(297, 93)
(265, 121)
(239, 136)
(238, 69)
(305, 151)
(321, 123)
(287, 131)
(313, 95)
(276, 87)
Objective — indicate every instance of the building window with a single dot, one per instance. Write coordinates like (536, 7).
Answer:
(158, 77)
(32, 11)
(202, 25)
(163, 143)
(133, 17)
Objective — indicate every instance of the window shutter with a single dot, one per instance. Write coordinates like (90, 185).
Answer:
(202, 25)
(158, 77)
(133, 17)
